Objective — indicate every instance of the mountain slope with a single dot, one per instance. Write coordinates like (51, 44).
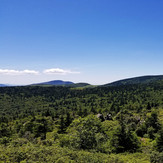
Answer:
(55, 83)
(62, 83)
(137, 80)
(3, 85)
(75, 85)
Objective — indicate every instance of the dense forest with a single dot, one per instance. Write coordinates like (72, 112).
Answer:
(113, 124)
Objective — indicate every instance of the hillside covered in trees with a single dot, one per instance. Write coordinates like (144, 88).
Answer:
(137, 80)
(113, 124)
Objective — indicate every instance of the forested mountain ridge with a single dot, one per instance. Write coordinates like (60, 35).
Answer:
(62, 83)
(3, 85)
(59, 124)
(137, 80)
(55, 82)
(134, 80)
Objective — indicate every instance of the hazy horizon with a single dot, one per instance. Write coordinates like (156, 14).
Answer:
(93, 41)
(29, 83)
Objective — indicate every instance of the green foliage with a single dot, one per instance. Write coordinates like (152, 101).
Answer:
(37, 126)
(84, 133)
(150, 126)
(43, 154)
(124, 140)
(5, 140)
(150, 132)
(60, 124)
(4, 130)
(152, 121)
(156, 157)
(159, 141)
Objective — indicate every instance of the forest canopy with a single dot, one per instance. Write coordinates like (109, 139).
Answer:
(97, 124)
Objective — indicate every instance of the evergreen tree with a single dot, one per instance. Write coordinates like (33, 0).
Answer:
(61, 125)
(68, 119)
(159, 141)
(124, 140)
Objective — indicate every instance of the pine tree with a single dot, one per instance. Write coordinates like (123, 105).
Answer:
(61, 126)
(68, 119)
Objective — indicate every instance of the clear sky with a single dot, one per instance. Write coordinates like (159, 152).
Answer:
(94, 41)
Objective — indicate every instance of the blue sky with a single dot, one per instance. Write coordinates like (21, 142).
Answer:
(95, 41)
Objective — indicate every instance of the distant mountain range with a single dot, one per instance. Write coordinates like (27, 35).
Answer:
(61, 83)
(135, 80)
(55, 82)
(7, 85)
(3, 85)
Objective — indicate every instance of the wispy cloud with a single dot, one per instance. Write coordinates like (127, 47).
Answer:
(17, 72)
(52, 71)
(59, 71)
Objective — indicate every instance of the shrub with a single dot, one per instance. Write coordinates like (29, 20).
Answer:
(156, 157)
